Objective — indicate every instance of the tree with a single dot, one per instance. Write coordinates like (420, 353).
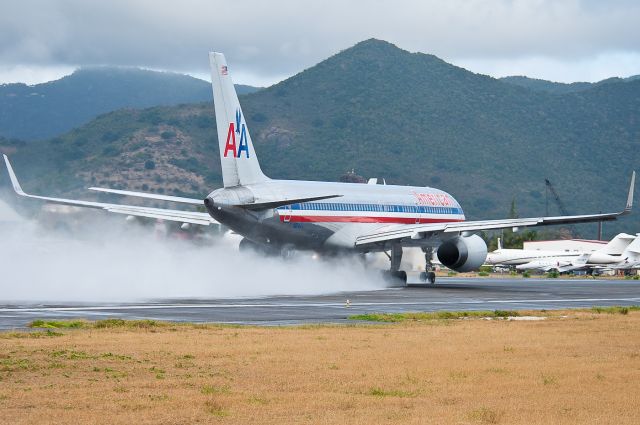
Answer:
(513, 212)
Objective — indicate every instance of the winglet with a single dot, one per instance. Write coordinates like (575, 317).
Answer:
(12, 176)
(627, 208)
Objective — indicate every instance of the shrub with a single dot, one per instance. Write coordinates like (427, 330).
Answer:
(167, 135)
(110, 151)
(110, 136)
(149, 165)
(505, 313)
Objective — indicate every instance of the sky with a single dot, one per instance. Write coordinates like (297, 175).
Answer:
(267, 41)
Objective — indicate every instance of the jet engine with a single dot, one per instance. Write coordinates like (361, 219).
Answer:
(463, 253)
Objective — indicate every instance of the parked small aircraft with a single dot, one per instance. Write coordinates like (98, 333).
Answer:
(287, 215)
(628, 259)
(527, 259)
(561, 264)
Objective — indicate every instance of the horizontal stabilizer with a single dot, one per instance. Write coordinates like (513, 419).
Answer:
(283, 202)
(150, 196)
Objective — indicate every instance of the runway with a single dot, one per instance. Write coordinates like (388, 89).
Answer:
(453, 294)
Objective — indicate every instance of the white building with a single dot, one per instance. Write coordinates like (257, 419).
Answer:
(566, 245)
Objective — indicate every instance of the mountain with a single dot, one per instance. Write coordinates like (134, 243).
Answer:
(50, 109)
(559, 88)
(546, 86)
(410, 118)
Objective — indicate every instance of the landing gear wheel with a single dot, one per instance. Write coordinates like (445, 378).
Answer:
(246, 245)
(288, 252)
(431, 277)
(428, 277)
(395, 278)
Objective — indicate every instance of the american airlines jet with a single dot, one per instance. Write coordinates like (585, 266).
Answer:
(282, 216)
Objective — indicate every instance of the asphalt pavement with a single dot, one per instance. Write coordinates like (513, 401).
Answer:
(451, 294)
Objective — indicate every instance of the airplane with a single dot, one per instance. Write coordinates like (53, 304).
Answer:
(629, 259)
(609, 253)
(561, 265)
(620, 253)
(283, 216)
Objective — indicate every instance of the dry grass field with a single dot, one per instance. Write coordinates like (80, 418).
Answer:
(580, 368)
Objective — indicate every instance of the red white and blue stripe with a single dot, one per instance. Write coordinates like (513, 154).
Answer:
(354, 212)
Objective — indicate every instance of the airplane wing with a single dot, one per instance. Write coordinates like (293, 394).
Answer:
(417, 232)
(192, 217)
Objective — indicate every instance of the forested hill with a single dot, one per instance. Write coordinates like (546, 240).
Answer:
(408, 117)
(50, 109)
(559, 88)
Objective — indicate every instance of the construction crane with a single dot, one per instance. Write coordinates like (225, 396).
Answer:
(561, 206)
(551, 189)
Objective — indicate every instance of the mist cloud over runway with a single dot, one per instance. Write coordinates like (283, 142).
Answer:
(120, 262)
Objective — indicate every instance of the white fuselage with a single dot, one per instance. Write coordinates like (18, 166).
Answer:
(514, 257)
(329, 224)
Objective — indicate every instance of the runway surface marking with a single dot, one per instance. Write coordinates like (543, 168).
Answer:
(302, 304)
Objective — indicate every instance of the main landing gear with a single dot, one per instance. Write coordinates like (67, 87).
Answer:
(428, 275)
(395, 275)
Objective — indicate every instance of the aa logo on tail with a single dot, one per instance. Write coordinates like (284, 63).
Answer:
(237, 128)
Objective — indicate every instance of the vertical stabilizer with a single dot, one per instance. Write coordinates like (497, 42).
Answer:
(238, 158)
(617, 245)
(633, 250)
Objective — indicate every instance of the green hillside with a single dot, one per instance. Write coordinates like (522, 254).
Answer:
(53, 108)
(546, 86)
(559, 88)
(410, 118)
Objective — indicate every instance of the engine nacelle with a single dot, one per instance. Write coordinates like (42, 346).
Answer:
(463, 253)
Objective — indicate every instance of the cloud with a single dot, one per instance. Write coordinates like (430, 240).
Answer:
(269, 40)
(595, 68)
